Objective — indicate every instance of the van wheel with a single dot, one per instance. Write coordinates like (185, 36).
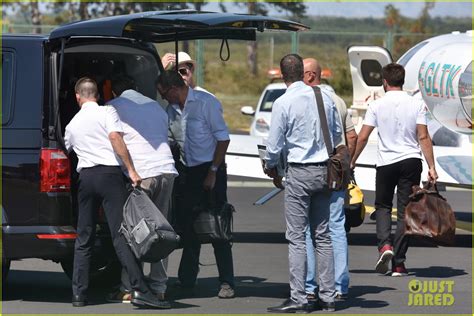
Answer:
(104, 272)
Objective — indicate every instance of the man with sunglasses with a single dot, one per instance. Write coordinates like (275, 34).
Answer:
(196, 123)
(186, 67)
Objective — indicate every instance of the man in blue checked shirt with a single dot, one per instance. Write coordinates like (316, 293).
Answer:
(296, 129)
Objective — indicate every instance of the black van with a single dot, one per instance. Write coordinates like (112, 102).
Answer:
(38, 77)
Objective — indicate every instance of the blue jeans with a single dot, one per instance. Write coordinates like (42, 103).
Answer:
(339, 244)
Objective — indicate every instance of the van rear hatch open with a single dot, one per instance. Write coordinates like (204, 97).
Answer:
(166, 26)
(147, 27)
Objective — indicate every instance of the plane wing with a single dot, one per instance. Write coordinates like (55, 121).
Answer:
(453, 164)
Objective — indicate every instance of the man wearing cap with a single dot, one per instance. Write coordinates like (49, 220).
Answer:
(197, 126)
(186, 67)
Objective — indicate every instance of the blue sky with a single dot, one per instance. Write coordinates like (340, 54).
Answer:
(368, 9)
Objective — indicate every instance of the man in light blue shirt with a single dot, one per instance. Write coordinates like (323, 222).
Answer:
(197, 125)
(296, 129)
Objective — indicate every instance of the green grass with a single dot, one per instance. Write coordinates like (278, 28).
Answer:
(231, 104)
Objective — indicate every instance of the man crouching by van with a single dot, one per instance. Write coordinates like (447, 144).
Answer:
(145, 127)
(95, 134)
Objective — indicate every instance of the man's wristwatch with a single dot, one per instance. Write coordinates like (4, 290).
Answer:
(213, 168)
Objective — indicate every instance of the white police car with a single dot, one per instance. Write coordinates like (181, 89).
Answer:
(263, 114)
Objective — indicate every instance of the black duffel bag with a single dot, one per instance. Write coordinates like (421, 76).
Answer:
(146, 229)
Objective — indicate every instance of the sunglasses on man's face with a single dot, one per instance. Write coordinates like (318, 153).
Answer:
(183, 71)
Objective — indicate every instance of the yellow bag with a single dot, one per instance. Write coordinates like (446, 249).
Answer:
(354, 207)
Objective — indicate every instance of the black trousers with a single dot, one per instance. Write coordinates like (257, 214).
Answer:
(189, 194)
(403, 175)
(102, 185)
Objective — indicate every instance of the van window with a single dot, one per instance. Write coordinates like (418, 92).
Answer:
(7, 86)
(102, 62)
(371, 72)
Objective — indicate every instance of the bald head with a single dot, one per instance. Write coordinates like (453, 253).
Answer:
(312, 72)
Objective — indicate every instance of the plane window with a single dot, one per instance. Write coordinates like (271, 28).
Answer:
(371, 72)
(406, 58)
(469, 68)
(269, 98)
(7, 86)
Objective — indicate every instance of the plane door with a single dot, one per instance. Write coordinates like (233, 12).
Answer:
(366, 64)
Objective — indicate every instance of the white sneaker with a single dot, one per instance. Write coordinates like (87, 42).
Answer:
(226, 291)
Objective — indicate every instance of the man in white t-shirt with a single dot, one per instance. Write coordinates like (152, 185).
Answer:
(401, 124)
(145, 127)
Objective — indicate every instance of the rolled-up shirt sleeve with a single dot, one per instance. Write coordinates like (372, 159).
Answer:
(276, 137)
(216, 121)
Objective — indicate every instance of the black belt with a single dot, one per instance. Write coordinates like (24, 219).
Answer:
(318, 164)
(101, 167)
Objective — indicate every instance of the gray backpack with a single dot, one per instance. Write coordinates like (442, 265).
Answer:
(146, 230)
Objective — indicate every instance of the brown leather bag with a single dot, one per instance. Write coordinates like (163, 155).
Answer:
(338, 168)
(429, 215)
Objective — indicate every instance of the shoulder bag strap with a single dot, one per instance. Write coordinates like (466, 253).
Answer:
(323, 119)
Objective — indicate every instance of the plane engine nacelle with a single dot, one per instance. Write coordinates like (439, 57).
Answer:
(445, 82)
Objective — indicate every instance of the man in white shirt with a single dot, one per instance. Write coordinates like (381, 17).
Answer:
(197, 124)
(95, 134)
(145, 127)
(401, 124)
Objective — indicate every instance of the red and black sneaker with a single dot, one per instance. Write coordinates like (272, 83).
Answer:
(385, 255)
(399, 270)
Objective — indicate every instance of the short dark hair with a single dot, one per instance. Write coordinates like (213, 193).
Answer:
(394, 74)
(168, 79)
(121, 83)
(292, 68)
(86, 88)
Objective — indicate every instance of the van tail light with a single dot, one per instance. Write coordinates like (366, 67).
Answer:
(56, 236)
(55, 171)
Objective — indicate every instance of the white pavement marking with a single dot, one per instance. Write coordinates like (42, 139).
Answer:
(250, 184)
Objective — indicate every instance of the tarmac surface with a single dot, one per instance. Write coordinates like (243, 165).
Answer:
(260, 252)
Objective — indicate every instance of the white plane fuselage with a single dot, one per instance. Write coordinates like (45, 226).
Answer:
(439, 70)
